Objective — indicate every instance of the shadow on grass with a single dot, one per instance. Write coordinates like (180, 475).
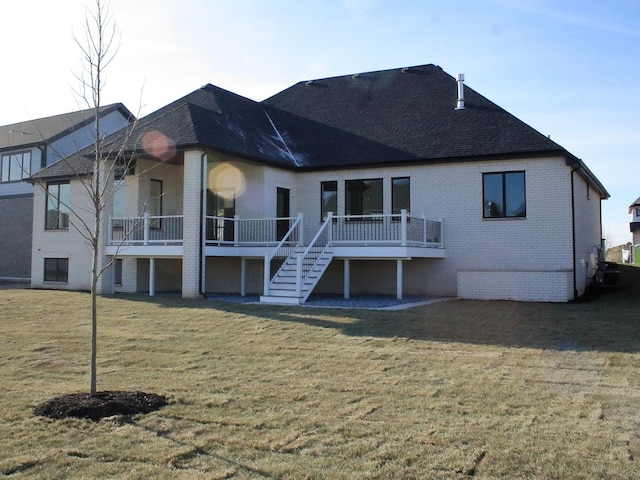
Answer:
(607, 321)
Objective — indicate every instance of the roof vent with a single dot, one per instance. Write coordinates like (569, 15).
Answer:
(310, 82)
(355, 75)
(460, 80)
(405, 69)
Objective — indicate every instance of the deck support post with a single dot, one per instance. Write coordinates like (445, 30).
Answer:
(152, 277)
(243, 276)
(399, 279)
(267, 274)
(347, 278)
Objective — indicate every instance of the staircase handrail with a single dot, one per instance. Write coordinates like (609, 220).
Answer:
(302, 270)
(281, 245)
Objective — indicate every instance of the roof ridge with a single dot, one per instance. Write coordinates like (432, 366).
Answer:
(356, 74)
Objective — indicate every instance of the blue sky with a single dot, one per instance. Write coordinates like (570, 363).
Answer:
(570, 69)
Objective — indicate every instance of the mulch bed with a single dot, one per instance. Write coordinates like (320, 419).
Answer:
(101, 405)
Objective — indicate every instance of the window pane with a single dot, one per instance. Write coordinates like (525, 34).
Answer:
(63, 270)
(56, 269)
(515, 194)
(117, 272)
(50, 269)
(401, 195)
(329, 198)
(52, 207)
(57, 215)
(363, 197)
(118, 198)
(155, 203)
(15, 168)
(5, 168)
(26, 164)
(63, 207)
(492, 188)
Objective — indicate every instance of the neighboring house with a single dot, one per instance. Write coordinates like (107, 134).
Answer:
(25, 148)
(396, 182)
(634, 226)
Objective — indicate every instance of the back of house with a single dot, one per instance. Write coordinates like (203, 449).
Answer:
(399, 182)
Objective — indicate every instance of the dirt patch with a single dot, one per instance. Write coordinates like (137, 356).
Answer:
(101, 405)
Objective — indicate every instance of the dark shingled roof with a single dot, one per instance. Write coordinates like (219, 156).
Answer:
(412, 111)
(396, 116)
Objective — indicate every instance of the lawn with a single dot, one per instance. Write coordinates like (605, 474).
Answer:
(450, 390)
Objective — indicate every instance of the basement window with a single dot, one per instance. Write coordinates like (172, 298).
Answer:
(56, 270)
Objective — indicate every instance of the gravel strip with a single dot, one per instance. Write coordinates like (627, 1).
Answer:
(371, 302)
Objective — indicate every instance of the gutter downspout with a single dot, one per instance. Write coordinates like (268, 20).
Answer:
(43, 155)
(573, 232)
(202, 227)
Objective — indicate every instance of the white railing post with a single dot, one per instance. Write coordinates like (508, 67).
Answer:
(236, 229)
(110, 231)
(403, 229)
(267, 274)
(146, 229)
(330, 228)
(299, 275)
(441, 232)
(300, 229)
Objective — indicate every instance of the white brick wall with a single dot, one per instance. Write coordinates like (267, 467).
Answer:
(540, 242)
(70, 244)
(522, 258)
(516, 285)
(192, 232)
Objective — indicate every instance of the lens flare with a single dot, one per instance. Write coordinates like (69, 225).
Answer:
(226, 178)
(158, 145)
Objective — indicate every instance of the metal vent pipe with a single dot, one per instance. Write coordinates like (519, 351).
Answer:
(460, 80)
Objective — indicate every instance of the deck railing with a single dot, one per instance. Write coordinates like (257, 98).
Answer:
(400, 229)
(251, 231)
(146, 230)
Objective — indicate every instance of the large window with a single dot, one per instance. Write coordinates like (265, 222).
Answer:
(400, 195)
(328, 198)
(15, 166)
(363, 197)
(57, 216)
(56, 270)
(504, 195)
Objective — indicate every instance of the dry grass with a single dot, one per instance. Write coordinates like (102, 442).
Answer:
(451, 390)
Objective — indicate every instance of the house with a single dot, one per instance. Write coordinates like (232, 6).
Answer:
(402, 181)
(634, 226)
(25, 148)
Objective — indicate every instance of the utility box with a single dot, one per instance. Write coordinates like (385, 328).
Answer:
(607, 275)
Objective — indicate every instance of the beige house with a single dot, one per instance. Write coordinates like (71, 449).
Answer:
(401, 182)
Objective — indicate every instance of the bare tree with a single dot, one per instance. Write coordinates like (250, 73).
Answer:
(98, 47)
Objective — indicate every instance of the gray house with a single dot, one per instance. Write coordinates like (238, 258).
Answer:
(25, 148)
